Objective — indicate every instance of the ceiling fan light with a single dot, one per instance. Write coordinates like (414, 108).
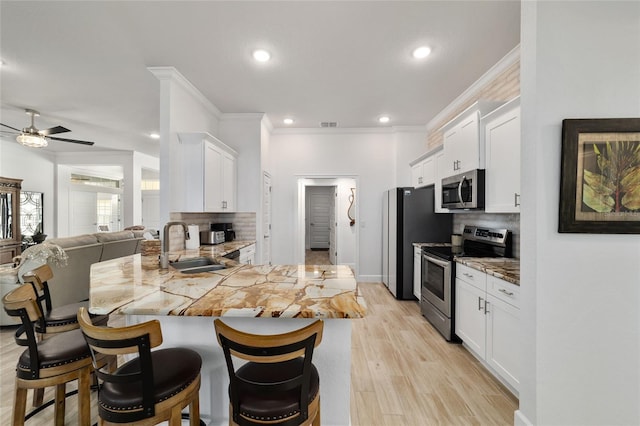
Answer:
(32, 141)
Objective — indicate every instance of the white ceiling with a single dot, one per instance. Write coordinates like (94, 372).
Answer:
(83, 65)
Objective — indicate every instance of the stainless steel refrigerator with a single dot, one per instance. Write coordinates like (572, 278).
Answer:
(408, 217)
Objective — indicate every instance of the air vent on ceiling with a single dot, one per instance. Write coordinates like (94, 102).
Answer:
(329, 124)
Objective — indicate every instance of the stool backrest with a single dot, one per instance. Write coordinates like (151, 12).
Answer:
(139, 338)
(272, 349)
(38, 278)
(21, 302)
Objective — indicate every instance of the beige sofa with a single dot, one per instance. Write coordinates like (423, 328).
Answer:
(70, 283)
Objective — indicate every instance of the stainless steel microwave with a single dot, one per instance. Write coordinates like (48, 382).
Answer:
(464, 191)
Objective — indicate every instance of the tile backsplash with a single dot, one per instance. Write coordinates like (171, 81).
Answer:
(244, 225)
(510, 221)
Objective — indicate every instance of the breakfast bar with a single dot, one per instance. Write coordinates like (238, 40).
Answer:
(262, 299)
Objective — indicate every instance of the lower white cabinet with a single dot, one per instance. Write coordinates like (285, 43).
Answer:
(248, 255)
(417, 271)
(488, 321)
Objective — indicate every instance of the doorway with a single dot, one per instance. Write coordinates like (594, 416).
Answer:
(319, 224)
(340, 236)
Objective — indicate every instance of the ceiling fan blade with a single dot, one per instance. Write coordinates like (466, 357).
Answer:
(71, 140)
(12, 128)
(53, 131)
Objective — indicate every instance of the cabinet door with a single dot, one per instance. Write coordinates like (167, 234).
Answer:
(451, 149)
(416, 175)
(470, 317)
(417, 272)
(503, 340)
(439, 174)
(429, 170)
(502, 138)
(212, 178)
(228, 183)
(468, 145)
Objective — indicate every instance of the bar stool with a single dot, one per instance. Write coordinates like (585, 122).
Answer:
(279, 385)
(60, 318)
(154, 386)
(54, 361)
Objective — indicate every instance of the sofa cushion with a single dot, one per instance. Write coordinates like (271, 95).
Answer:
(114, 249)
(105, 237)
(79, 240)
(70, 283)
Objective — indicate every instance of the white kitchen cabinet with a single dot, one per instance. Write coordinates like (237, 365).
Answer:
(463, 142)
(502, 143)
(417, 271)
(439, 165)
(488, 321)
(248, 255)
(423, 172)
(209, 172)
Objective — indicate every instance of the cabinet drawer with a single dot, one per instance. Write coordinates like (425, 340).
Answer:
(504, 290)
(471, 276)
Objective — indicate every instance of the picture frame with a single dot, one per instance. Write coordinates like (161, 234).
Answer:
(600, 176)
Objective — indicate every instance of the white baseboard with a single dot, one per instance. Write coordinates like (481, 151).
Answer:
(519, 419)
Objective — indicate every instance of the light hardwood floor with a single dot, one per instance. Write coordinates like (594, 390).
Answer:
(402, 373)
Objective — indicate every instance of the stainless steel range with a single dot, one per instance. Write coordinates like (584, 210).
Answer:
(438, 272)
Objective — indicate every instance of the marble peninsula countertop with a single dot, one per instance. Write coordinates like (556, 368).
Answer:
(504, 268)
(136, 285)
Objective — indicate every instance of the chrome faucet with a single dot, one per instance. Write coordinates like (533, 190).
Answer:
(164, 254)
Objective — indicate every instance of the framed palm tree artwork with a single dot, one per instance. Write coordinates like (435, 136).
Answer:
(600, 176)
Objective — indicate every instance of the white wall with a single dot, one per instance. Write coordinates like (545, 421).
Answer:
(580, 292)
(35, 168)
(369, 157)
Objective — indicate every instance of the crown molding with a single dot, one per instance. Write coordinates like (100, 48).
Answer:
(332, 131)
(173, 75)
(509, 59)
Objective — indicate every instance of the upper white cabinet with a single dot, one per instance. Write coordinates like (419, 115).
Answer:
(440, 166)
(423, 169)
(502, 140)
(463, 141)
(210, 175)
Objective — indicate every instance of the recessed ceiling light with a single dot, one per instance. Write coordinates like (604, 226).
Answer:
(154, 136)
(384, 119)
(421, 52)
(261, 55)
(288, 121)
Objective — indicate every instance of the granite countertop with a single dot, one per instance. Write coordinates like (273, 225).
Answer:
(136, 285)
(507, 269)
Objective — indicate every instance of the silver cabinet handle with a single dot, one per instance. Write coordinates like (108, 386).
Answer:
(508, 293)
(224, 204)
(516, 199)
(466, 274)
(480, 299)
(486, 306)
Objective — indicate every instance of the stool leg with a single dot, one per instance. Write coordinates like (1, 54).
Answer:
(60, 404)
(19, 406)
(176, 416)
(38, 397)
(84, 397)
(194, 411)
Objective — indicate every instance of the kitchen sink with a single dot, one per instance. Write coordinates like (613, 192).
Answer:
(196, 265)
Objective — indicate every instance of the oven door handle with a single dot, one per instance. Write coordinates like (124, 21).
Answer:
(438, 262)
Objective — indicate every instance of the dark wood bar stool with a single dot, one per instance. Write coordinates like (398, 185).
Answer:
(54, 361)
(279, 385)
(59, 318)
(154, 386)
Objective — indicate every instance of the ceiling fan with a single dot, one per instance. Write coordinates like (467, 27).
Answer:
(34, 138)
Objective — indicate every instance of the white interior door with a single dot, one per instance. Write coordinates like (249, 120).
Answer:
(151, 209)
(83, 212)
(333, 247)
(320, 199)
(266, 219)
